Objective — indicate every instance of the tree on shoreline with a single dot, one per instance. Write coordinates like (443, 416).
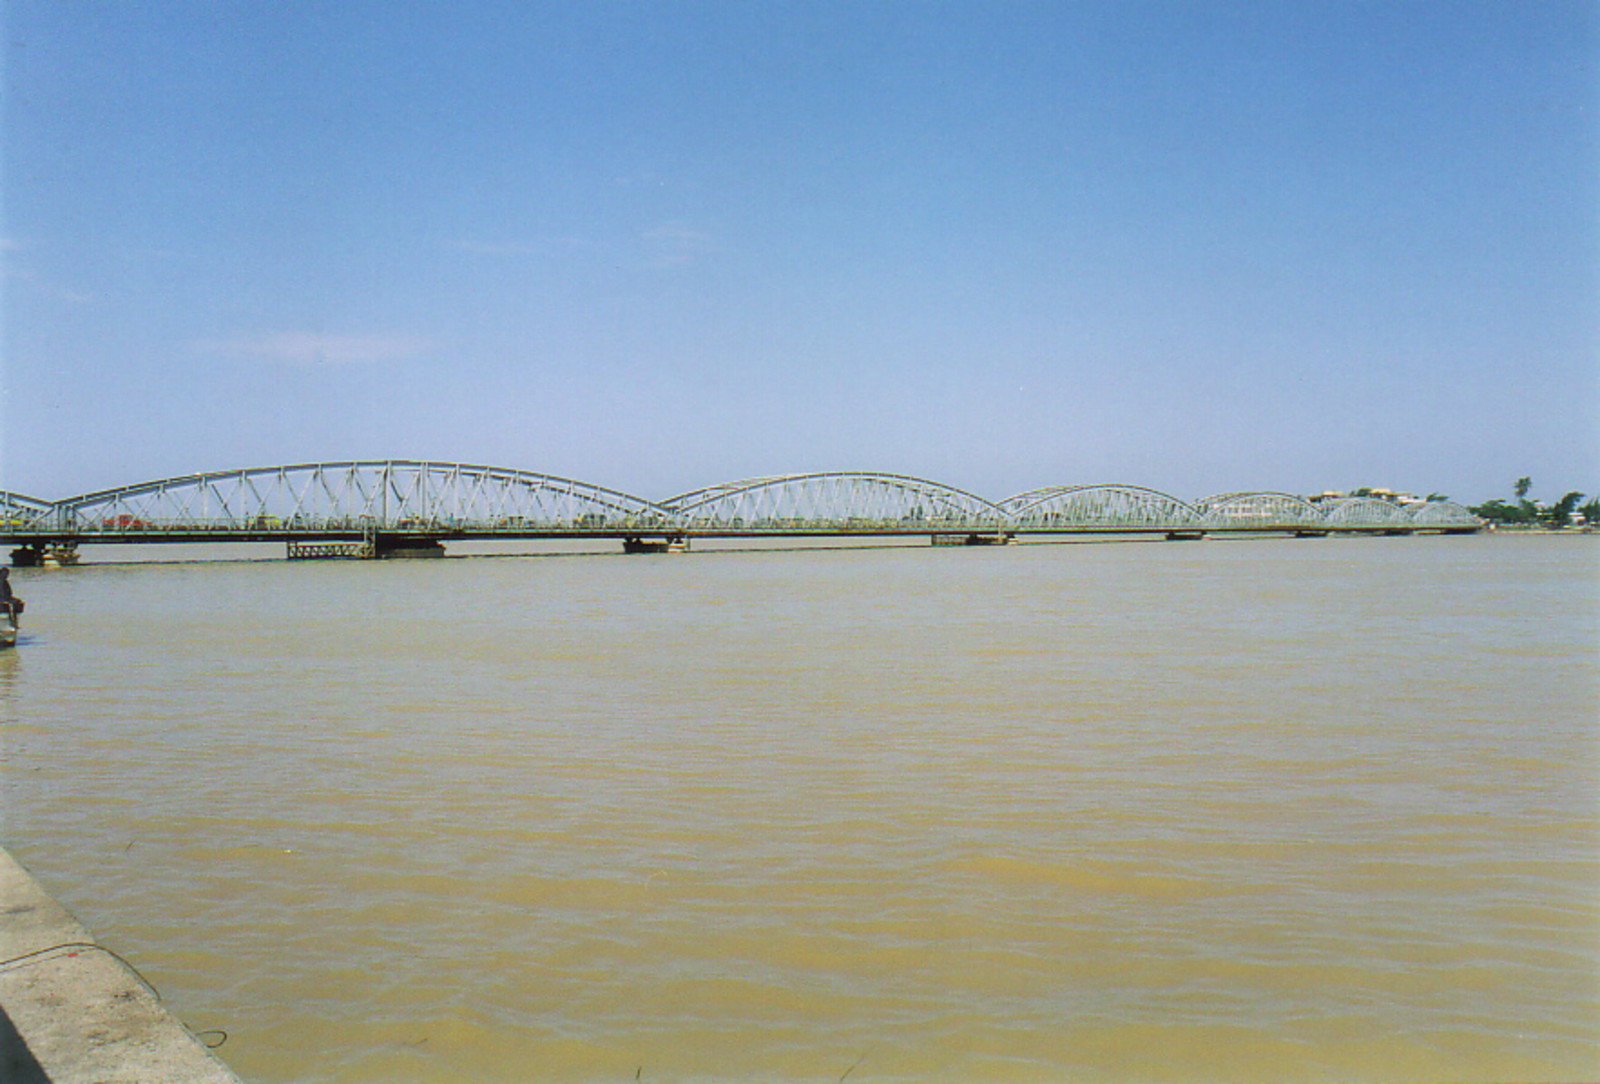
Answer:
(1526, 512)
(1561, 511)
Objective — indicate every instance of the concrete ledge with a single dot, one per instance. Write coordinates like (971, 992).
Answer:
(73, 1012)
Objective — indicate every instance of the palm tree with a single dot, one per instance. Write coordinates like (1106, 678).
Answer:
(1522, 487)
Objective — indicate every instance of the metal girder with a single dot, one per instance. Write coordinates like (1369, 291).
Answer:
(1098, 506)
(19, 509)
(422, 498)
(1442, 514)
(838, 501)
(355, 496)
(1364, 513)
(1259, 511)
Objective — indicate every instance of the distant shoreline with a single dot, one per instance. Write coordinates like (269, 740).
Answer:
(1519, 528)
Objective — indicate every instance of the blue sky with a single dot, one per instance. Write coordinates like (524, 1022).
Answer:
(1194, 246)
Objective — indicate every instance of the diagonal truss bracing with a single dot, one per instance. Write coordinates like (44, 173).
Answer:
(1259, 511)
(1109, 507)
(385, 495)
(1364, 512)
(1443, 515)
(367, 497)
(841, 501)
(18, 509)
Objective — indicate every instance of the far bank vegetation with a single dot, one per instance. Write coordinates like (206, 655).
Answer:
(1520, 511)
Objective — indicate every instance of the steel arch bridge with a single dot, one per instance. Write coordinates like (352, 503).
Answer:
(1444, 515)
(378, 507)
(1261, 511)
(1106, 507)
(353, 500)
(1368, 512)
(844, 502)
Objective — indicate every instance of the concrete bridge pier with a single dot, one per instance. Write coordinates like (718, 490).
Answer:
(998, 538)
(41, 554)
(379, 546)
(402, 546)
(674, 543)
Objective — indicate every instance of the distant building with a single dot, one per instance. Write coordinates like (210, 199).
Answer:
(1393, 496)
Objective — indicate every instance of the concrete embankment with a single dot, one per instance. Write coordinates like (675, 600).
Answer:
(73, 1012)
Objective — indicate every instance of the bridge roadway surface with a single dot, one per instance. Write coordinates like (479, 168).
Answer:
(390, 507)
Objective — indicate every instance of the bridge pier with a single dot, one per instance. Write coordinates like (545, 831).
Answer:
(366, 549)
(324, 551)
(407, 547)
(40, 554)
(669, 544)
(999, 538)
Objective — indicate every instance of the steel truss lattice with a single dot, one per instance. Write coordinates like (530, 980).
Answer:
(836, 502)
(368, 497)
(357, 496)
(19, 509)
(1104, 506)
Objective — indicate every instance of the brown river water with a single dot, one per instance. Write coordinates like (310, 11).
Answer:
(1234, 810)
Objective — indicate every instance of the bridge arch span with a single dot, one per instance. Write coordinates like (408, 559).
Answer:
(355, 496)
(838, 500)
(1260, 511)
(1365, 513)
(397, 504)
(1443, 515)
(1090, 506)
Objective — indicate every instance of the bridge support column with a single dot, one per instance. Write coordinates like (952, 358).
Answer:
(670, 544)
(37, 554)
(997, 539)
(407, 547)
(320, 551)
